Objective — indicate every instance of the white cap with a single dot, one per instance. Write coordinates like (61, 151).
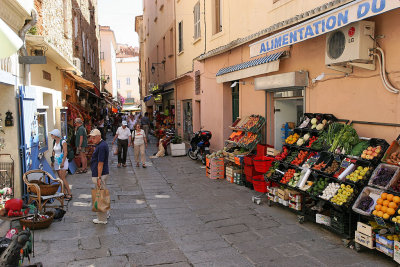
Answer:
(124, 123)
(56, 132)
(95, 132)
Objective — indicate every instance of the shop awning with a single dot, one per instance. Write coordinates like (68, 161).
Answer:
(10, 43)
(85, 84)
(250, 68)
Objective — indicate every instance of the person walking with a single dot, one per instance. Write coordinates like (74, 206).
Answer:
(60, 162)
(145, 121)
(139, 145)
(81, 144)
(99, 167)
(123, 134)
(102, 129)
(131, 122)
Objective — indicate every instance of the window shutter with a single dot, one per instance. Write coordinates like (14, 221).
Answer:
(197, 82)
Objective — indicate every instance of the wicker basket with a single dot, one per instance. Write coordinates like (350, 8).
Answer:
(45, 189)
(42, 224)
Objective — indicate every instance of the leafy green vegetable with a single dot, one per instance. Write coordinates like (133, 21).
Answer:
(345, 140)
(359, 148)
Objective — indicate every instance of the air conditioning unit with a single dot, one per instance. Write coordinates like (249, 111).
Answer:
(77, 63)
(351, 43)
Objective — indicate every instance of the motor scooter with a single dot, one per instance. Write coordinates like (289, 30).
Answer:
(200, 146)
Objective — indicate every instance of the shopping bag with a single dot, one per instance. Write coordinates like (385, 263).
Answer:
(100, 200)
(115, 149)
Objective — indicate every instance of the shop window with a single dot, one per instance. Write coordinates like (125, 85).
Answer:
(180, 36)
(128, 81)
(196, 14)
(42, 132)
(118, 84)
(217, 16)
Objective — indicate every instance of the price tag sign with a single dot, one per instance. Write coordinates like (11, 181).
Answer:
(380, 221)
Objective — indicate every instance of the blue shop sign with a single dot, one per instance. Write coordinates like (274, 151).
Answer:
(335, 19)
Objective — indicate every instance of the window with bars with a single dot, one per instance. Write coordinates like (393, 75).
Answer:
(196, 15)
(128, 81)
(180, 36)
(197, 82)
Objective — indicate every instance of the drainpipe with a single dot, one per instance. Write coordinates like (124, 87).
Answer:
(23, 50)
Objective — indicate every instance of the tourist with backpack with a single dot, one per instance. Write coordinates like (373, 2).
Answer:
(60, 162)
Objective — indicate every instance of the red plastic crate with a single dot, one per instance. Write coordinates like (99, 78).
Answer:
(263, 163)
(250, 171)
(248, 160)
(260, 186)
(262, 149)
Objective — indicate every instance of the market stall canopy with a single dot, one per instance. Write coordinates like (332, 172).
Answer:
(10, 43)
(53, 53)
(250, 68)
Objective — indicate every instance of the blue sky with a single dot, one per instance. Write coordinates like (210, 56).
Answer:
(120, 16)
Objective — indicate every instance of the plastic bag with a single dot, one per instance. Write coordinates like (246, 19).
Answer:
(115, 149)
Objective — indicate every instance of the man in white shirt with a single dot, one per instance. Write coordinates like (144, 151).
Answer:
(124, 140)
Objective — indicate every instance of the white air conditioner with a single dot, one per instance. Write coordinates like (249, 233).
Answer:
(351, 43)
(77, 63)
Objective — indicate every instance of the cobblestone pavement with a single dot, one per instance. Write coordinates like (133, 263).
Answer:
(170, 214)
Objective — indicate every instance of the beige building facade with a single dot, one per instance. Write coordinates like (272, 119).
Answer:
(127, 78)
(108, 58)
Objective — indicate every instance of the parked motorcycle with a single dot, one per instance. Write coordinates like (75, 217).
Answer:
(200, 146)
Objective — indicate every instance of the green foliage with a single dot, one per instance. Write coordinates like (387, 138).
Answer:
(33, 31)
(177, 139)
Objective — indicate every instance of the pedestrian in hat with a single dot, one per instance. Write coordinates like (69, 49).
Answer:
(60, 163)
(81, 144)
(99, 167)
(123, 134)
(139, 143)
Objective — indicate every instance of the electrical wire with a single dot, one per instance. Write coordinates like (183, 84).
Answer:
(382, 68)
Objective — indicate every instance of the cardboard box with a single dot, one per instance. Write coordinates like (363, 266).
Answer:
(385, 250)
(396, 251)
(382, 240)
(295, 197)
(365, 229)
(272, 152)
(283, 194)
(323, 219)
(365, 240)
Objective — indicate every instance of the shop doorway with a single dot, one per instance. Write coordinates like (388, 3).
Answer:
(235, 102)
(187, 119)
(286, 111)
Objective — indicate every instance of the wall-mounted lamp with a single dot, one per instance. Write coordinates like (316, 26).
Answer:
(323, 75)
(153, 69)
(236, 83)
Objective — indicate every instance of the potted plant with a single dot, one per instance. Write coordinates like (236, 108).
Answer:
(177, 146)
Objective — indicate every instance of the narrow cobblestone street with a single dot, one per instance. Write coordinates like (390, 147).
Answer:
(170, 214)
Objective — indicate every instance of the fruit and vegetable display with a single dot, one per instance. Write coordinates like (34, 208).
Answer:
(287, 176)
(343, 196)
(292, 139)
(358, 174)
(330, 191)
(291, 156)
(386, 205)
(371, 152)
(317, 124)
(248, 139)
(394, 158)
(283, 154)
(300, 157)
(396, 219)
(272, 169)
(312, 159)
(295, 180)
(253, 123)
(311, 141)
(342, 141)
(383, 175)
(359, 148)
(236, 136)
(333, 167)
(319, 166)
(396, 186)
(365, 203)
(318, 187)
(302, 140)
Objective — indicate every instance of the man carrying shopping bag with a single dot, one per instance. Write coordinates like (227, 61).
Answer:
(100, 171)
